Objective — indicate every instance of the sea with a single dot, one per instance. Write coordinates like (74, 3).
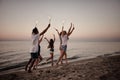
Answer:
(15, 52)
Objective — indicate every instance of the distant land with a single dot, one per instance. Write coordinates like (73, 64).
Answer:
(83, 40)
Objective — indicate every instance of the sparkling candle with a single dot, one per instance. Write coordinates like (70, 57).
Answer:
(36, 22)
(63, 22)
(49, 19)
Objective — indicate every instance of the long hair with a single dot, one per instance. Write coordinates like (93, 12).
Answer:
(51, 43)
(60, 33)
(63, 33)
(35, 31)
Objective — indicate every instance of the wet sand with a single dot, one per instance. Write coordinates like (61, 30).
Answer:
(104, 67)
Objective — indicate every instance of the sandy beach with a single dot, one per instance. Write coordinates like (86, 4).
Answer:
(104, 67)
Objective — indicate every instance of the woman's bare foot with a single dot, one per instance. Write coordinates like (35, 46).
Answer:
(29, 71)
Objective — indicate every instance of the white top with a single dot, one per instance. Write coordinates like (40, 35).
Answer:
(64, 39)
(35, 39)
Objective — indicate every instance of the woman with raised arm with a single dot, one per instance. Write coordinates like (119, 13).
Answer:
(34, 50)
(59, 34)
(64, 36)
(51, 47)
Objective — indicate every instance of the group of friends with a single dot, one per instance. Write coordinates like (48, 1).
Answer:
(37, 38)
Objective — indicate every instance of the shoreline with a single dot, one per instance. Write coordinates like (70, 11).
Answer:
(104, 67)
(20, 66)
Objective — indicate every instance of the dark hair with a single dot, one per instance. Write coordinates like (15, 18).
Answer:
(60, 33)
(35, 31)
(51, 44)
(65, 32)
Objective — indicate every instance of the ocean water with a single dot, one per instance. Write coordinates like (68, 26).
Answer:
(12, 52)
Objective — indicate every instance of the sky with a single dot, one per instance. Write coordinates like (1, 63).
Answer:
(92, 19)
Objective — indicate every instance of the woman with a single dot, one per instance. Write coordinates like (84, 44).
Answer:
(64, 36)
(51, 47)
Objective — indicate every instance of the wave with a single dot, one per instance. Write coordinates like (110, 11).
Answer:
(6, 52)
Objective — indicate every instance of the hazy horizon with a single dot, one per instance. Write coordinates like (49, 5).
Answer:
(93, 19)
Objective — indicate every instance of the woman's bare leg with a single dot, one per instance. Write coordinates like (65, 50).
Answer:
(60, 58)
(65, 57)
(40, 57)
(52, 58)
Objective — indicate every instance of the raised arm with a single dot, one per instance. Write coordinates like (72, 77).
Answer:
(45, 30)
(62, 28)
(54, 37)
(46, 39)
(59, 36)
(41, 39)
(70, 28)
(71, 31)
(57, 31)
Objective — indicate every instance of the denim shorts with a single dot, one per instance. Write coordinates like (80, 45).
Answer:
(64, 47)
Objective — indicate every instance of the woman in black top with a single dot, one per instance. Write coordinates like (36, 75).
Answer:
(51, 47)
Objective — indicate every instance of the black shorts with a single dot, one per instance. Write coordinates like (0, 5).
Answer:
(34, 55)
(51, 50)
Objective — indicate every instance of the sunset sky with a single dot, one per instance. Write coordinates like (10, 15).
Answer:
(93, 19)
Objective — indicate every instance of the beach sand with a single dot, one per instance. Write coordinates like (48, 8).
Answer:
(104, 67)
